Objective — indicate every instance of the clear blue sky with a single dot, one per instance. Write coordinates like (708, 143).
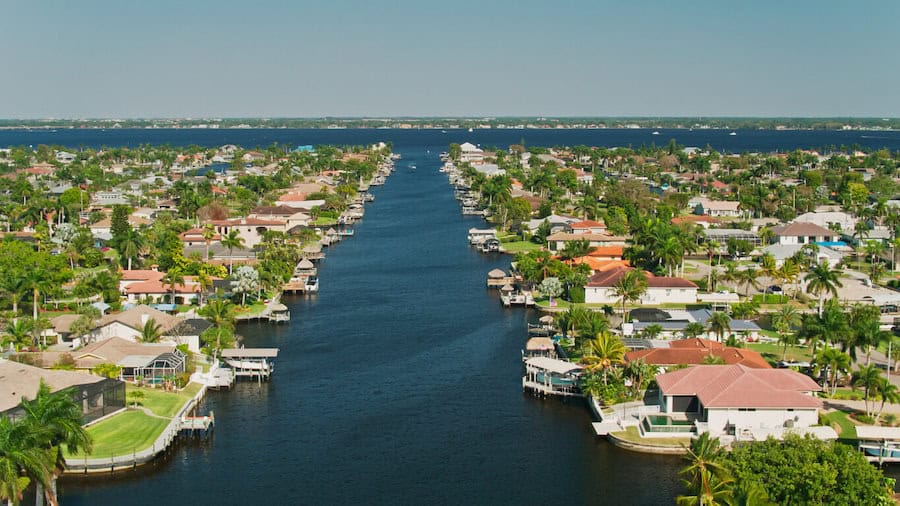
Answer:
(222, 58)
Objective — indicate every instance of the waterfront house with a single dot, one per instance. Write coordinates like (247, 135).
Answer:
(249, 229)
(152, 362)
(557, 241)
(129, 323)
(600, 289)
(740, 401)
(803, 233)
(470, 153)
(557, 223)
(95, 395)
(291, 216)
(696, 351)
(674, 321)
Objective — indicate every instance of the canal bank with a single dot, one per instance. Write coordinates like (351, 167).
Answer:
(398, 382)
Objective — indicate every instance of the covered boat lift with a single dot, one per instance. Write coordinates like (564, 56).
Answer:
(251, 363)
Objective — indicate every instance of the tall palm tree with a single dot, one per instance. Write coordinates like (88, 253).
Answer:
(173, 278)
(630, 287)
(208, 233)
(37, 281)
(789, 272)
(834, 362)
(14, 284)
(867, 378)
(749, 278)
(219, 312)
(706, 473)
(60, 417)
(605, 351)
(131, 244)
(719, 323)
(888, 393)
(232, 240)
(22, 458)
(822, 279)
(784, 320)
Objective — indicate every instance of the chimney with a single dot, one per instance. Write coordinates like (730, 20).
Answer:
(154, 267)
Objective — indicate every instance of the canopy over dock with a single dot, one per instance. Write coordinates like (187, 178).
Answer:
(250, 353)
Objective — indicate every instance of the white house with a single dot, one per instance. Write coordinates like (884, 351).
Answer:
(250, 229)
(739, 400)
(600, 289)
(845, 221)
(803, 233)
(470, 153)
(716, 208)
(129, 323)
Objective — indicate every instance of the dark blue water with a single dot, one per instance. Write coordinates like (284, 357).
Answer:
(745, 140)
(400, 381)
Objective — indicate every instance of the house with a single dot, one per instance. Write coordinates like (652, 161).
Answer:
(587, 227)
(557, 241)
(722, 235)
(95, 395)
(674, 321)
(781, 252)
(470, 153)
(840, 220)
(717, 208)
(739, 400)
(489, 169)
(194, 236)
(251, 230)
(600, 289)
(557, 223)
(61, 327)
(109, 198)
(149, 361)
(137, 285)
(693, 219)
(129, 323)
(696, 351)
(65, 157)
(292, 217)
(803, 233)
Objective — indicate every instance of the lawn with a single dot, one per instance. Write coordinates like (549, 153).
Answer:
(123, 434)
(161, 402)
(632, 435)
(519, 247)
(845, 427)
(772, 352)
(324, 221)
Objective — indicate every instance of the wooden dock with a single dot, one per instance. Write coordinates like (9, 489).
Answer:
(253, 363)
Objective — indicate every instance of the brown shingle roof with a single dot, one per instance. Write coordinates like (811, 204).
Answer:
(20, 380)
(132, 318)
(802, 229)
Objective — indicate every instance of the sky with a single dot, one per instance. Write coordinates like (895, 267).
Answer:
(355, 58)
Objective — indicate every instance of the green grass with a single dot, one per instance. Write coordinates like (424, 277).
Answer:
(253, 308)
(123, 434)
(324, 221)
(632, 435)
(161, 402)
(772, 352)
(519, 246)
(842, 423)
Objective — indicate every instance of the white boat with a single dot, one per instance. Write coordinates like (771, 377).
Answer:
(655, 132)
(733, 133)
(471, 130)
(248, 365)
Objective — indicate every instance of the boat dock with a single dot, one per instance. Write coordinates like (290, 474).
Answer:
(253, 363)
(551, 376)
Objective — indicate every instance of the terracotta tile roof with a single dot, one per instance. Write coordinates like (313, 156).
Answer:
(697, 354)
(588, 224)
(738, 386)
(196, 234)
(608, 279)
(246, 221)
(568, 236)
(607, 251)
(141, 275)
(697, 342)
(597, 264)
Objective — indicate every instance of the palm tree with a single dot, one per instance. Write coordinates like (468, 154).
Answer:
(592, 324)
(151, 331)
(605, 350)
(60, 417)
(888, 393)
(22, 458)
(219, 312)
(693, 329)
(749, 277)
(653, 330)
(835, 362)
(14, 284)
(205, 282)
(173, 278)
(719, 323)
(867, 378)
(822, 279)
(784, 320)
(789, 272)
(36, 281)
(232, 240)
(630, 287)
(707, 476)
(131, 244)
(874, 249)
(19, 334)
(208, 233)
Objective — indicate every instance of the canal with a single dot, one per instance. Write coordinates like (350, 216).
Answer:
(400, 382)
